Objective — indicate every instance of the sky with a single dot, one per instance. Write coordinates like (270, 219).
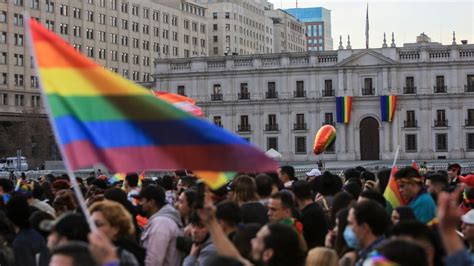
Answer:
(407, 19)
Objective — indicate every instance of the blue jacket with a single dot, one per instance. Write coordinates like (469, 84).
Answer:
(424, 207)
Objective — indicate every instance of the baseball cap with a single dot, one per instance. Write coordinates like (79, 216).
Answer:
(156, 193)
(468, 218)
(73, 226)
(314, 172)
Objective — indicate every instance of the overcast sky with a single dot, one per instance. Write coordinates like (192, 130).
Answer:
(407, 19)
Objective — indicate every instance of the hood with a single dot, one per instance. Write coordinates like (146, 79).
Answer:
(172, 213)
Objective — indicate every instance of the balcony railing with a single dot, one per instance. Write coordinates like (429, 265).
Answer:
(410, 123)
(469, 88)
(368, 91)
(299, 94)
(299, 126)
(470, 122)
(271, 127)
(244, 96)
(216, 97)
(409, 90)
(441, 123)
(328, 93)
(329, 123)
(243, 128)
(440, 89)
(271, 94)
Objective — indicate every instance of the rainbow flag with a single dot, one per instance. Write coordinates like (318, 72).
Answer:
(141, 176)
(117, 178)
(100, 117)
(215, 180)
(392, 192)
(343, 109)
(184, 103)
(388, 105)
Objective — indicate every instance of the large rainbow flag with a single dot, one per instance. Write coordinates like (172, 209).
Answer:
(100, 117)
(343, 109)
(388, 105)
(392, 192)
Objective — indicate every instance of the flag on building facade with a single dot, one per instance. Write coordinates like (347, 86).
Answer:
(101, 117)
(388, 105)
(343, 109)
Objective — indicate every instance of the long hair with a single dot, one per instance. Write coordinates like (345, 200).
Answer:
(245, 189)
(322, 256)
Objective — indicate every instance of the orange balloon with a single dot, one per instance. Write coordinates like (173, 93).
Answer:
(324, 138)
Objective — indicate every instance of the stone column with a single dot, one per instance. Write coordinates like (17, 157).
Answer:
(454, 137)
(340, 83)
(425, 122)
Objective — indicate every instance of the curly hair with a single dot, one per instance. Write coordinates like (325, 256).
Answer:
(116, 215)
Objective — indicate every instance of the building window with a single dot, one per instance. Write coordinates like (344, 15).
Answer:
(328, 91)
(328, 119)
(18, 80)
(4, 99)
(300, 144)
(441, 119)
(409, 86)
(227, 15)
(440, 86)
(368, 87)
(272, 123)
(441, 142)
(214, 15)
(411, 119)
(19, 100)
(244, 125)
(3, 58)
(244, 92)
(217, 121)
(34, 4)
(470, 117)
(18, 20)
(469, 141)
(300, 123)
(63, 28)
(76, 13)
(18, 59)
(181, 90)
(35, 101)
(271, 90)
(3, 78)
(300, 92)
(63, 10)
(410, 143)
(470, 84)
(215, 50)
(272, 143)
(76, 31)
(49, 6)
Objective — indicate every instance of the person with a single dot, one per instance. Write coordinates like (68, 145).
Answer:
(341, 201)
(327, 186)
(131, 186)
(286, 174)
(167, 182)
(114, 221)
(64, 201)
(401, 214)
(366, 225)
(335, 238)
(436, 183)
(280, 211)
(7, 232)
(315, 225)
(28, 246)
(72, 254)
(421, 234)
(184, 183)
(322, 256)
(120, 196)
(468, 231)
(68, 227)
(228, 215)
(313, 174)
(454, 171)
(245, 195)
(185, 204)
(203, 249)
(243, 239)
(412, 190)
(35, 199)
(372, 195)
(163, 228)
(265, 187)
(403, 252)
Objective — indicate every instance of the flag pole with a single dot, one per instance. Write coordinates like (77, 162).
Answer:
(70, 172)
(396, 156)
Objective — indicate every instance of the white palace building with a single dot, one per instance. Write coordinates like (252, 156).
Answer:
(280, 100)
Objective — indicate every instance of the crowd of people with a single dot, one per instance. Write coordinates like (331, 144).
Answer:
(256, 219)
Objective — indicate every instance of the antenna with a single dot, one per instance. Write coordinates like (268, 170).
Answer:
(296, 3)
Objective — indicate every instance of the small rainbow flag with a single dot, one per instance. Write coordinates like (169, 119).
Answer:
(184, 103)
(392, 191)
(117, 178)
(343, 109)
(141, 176)
(215, 180)
(101, 117)
(388, 105)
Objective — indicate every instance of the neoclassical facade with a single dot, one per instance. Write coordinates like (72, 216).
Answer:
(281, 100)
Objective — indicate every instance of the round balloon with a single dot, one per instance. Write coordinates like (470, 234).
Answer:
(324, 138)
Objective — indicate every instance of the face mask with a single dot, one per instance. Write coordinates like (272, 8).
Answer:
(351, 238)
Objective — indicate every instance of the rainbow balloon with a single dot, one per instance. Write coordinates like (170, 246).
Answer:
(324, 138)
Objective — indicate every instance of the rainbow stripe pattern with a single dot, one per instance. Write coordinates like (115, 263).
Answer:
(215, 180)
(392, 191)
(117, 178)
(100, 117)
(388, 104)
(343, 109)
